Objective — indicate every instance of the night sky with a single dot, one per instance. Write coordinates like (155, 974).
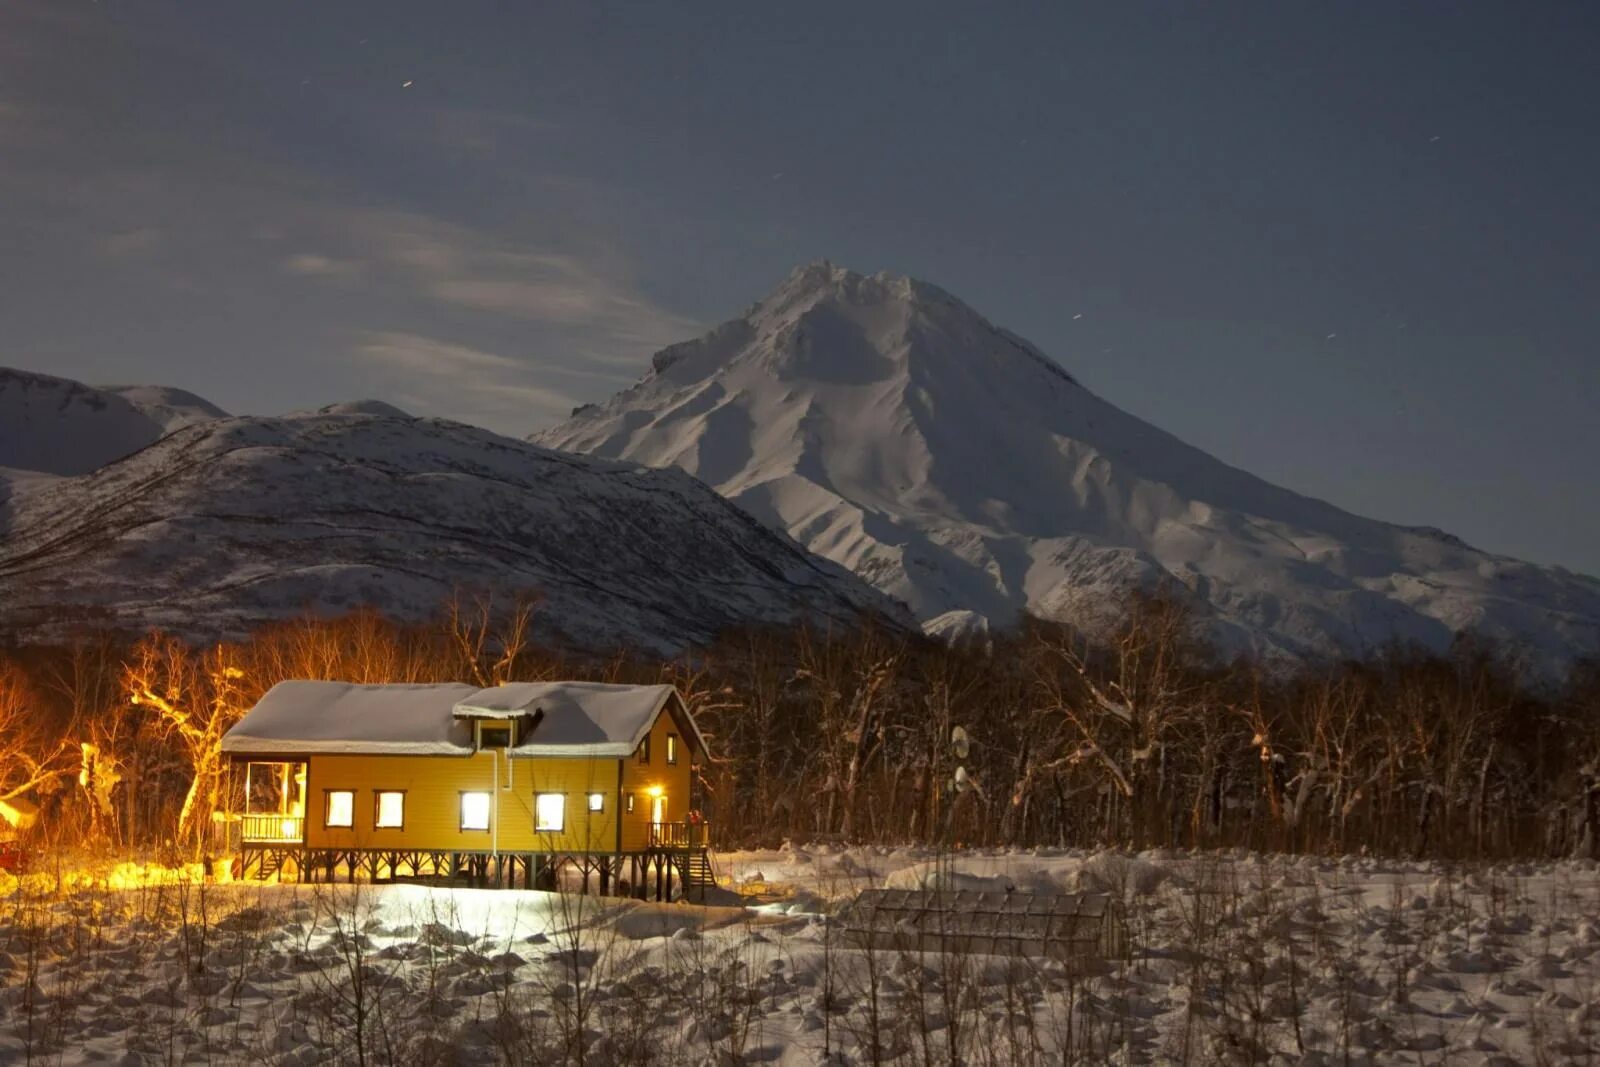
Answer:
(1353, 248)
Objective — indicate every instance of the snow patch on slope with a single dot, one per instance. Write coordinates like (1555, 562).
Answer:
(171, 408)
(377, 408)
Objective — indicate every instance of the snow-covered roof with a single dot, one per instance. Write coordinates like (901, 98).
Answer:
(567, 718)
(572, 718)
(305, 717)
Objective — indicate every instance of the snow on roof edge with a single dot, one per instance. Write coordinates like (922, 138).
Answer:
(307, 717)
(246, 745)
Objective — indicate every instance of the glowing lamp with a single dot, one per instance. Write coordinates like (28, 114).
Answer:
(654, 791)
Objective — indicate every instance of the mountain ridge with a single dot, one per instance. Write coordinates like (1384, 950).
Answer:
(57, 426)
(227, 524)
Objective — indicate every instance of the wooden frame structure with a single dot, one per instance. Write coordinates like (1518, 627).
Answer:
(1052, 925)
(679, 852)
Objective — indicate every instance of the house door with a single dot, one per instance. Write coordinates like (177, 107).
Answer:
(658, 809)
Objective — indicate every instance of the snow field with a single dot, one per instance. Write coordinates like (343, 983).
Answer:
(1234, 958)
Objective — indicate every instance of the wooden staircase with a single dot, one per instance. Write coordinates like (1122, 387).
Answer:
(687, 848)
(260, 864)
(696, 870)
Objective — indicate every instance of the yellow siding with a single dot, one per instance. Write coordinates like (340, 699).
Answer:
(637, 778)
(433, 785)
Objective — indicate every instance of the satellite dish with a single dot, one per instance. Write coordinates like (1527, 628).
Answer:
(960, 743)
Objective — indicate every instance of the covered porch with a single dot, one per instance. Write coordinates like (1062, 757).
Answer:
(270, 805)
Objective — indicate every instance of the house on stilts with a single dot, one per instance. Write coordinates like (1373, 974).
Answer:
(505, 786)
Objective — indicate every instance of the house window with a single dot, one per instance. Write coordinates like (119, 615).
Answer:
(627, 804)
(644, 749)
(474, 811)
(390, 812)
(341, 808)
(672, 748)
(597, 802)
(494, 735)
(549, 812)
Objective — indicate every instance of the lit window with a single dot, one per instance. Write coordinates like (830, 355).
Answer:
(391, 810)
(597, 802)
(672, 748)
(549, 812)
(341, 808)
(474, 811)
(628, 804)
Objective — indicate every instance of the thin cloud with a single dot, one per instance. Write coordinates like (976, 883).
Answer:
(316, 265)
(552, 300)
(461, 267)
(462, 382)
(414, 352)
(483, 133)
(138, 242)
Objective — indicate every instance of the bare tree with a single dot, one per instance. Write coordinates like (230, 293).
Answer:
(194, 700)
(32, 760)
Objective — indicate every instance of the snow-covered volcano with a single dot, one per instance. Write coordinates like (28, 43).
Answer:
(891, 428)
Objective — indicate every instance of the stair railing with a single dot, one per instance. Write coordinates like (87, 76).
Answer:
(695, 834)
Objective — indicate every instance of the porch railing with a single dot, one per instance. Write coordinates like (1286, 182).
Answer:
(689, 835)
(272, 828)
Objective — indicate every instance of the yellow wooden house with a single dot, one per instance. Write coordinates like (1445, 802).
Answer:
(508, 785)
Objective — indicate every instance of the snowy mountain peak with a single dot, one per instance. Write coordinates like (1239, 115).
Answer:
(824, 279)
(831, 323)
(369, 407)
(56, 426)
(893, 429)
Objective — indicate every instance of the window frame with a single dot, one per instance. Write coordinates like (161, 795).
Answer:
(497, 726)
(644, 751)
(327, 809)
(595, 803)
(377, 809)
(672, 750)
(627, 803)
(461, 810)
(538, 828)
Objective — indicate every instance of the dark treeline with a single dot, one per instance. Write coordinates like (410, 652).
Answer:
(1137, 739)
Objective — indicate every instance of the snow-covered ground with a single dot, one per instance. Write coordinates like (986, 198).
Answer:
(1232, 958)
